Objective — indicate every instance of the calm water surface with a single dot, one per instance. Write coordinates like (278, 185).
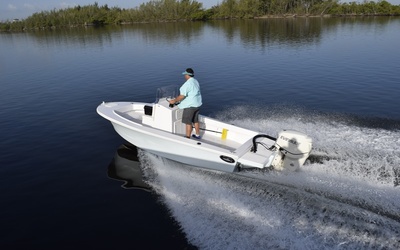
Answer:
(335, 79)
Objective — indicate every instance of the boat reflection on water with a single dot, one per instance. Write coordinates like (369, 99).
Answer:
(125, 166)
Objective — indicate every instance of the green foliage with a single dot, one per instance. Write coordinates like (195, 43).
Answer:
(190, 10)
(381, 7)
(153, 11)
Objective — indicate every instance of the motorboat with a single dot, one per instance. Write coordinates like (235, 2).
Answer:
(157, 128)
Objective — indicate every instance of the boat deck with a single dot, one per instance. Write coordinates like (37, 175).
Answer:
(216, 140)
(132, 115)
(207, 136)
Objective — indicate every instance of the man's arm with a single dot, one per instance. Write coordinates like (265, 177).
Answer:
(177, 99)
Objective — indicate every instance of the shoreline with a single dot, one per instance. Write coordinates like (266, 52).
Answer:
(282, 16)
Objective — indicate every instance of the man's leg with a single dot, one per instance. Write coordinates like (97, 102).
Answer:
(197, 128)
(188, 130)
(196, 121)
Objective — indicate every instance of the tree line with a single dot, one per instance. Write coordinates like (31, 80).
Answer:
(191, 10)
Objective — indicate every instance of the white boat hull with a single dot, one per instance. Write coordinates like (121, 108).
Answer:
(185, 151)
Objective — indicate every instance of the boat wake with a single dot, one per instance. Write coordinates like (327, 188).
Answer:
(346, 196)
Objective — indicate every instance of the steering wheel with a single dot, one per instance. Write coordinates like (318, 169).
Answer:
(171, 105)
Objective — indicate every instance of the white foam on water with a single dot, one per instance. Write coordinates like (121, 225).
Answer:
(346, 199)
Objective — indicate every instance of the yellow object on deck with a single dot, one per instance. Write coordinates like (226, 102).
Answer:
(224, 134)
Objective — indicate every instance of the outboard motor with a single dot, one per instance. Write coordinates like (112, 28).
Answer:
(292, 148)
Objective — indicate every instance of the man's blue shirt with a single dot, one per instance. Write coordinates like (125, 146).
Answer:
(191, 90)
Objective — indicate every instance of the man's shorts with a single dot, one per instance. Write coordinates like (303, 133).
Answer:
(190, 115)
